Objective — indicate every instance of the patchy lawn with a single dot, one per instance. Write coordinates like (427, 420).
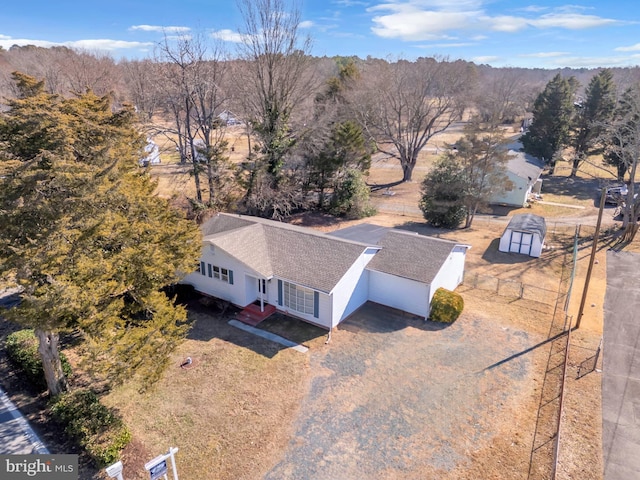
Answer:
(231, 413)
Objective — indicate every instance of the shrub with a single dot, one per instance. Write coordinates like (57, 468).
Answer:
(94, 427)
(22, 350)
(351, 197)
(446, 306)
(443, 191)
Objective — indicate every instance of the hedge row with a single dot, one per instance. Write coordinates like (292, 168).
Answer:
(94, 427)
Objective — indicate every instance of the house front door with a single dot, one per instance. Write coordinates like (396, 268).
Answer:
(255, 290)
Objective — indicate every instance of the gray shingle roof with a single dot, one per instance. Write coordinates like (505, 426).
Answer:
(524, 166)
(363, 232)
(298, 254)
(317, 260)
(528, 222)
(412, 256)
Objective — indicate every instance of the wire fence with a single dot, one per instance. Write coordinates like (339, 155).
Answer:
(511, 288)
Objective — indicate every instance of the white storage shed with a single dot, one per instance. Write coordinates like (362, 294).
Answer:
(525, 234)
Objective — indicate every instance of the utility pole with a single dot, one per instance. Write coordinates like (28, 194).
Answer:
(594, 248)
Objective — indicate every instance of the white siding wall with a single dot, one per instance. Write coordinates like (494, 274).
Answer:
(505, 241)
(536, 246)
(353, 288)
(451, 273)
(235, 293)
(400, 293)
(516, 197)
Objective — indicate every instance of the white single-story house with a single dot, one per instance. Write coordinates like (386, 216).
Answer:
(323, 278)
(524, 173)
(152, 154)
(524, 234)
(229, 118)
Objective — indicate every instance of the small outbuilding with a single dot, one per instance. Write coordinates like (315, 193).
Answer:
(525, 234)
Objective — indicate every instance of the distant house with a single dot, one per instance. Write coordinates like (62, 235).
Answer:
(152, 154)
(524, 234)
(323, 278)
(229, 118)
(524, 173)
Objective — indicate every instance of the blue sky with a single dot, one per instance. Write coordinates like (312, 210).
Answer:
(545, 34)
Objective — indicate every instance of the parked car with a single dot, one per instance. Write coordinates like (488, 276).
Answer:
(616, 194)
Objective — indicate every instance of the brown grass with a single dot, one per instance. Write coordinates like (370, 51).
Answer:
(230, 414)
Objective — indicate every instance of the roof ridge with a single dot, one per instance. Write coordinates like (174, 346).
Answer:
(294, 228)
(428, 237)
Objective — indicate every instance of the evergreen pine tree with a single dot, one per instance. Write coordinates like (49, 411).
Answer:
(552, 113)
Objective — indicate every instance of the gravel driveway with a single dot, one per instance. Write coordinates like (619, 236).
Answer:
(397, 397)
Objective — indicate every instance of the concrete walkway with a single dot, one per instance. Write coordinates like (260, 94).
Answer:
(16, 434)
(269, 336)
(621, 368)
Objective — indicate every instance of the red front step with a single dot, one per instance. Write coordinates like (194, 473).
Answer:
(251, 314)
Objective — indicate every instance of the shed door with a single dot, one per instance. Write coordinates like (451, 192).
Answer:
(521, 242)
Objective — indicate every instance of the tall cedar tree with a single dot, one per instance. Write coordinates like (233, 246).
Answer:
(552, 113)
(85, 237)
(591, 117)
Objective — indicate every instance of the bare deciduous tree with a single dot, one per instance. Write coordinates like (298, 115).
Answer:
(141, 79)
(406, 103)
(501, 95)
(191, 74)
(623, 143)
(277, 76)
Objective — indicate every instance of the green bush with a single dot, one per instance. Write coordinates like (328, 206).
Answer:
(22, 350)
(351, 197)
(446, 306)
(94, 427)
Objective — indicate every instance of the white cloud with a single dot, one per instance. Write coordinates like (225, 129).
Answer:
(571, 21)
(413, 24)
(430, 19)
(534, 9)
(630, 48)
(229, 36)
(159, 28)
(306, 24)
(505, 23)
(485, 59)
(89, 44)
(543, 54)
